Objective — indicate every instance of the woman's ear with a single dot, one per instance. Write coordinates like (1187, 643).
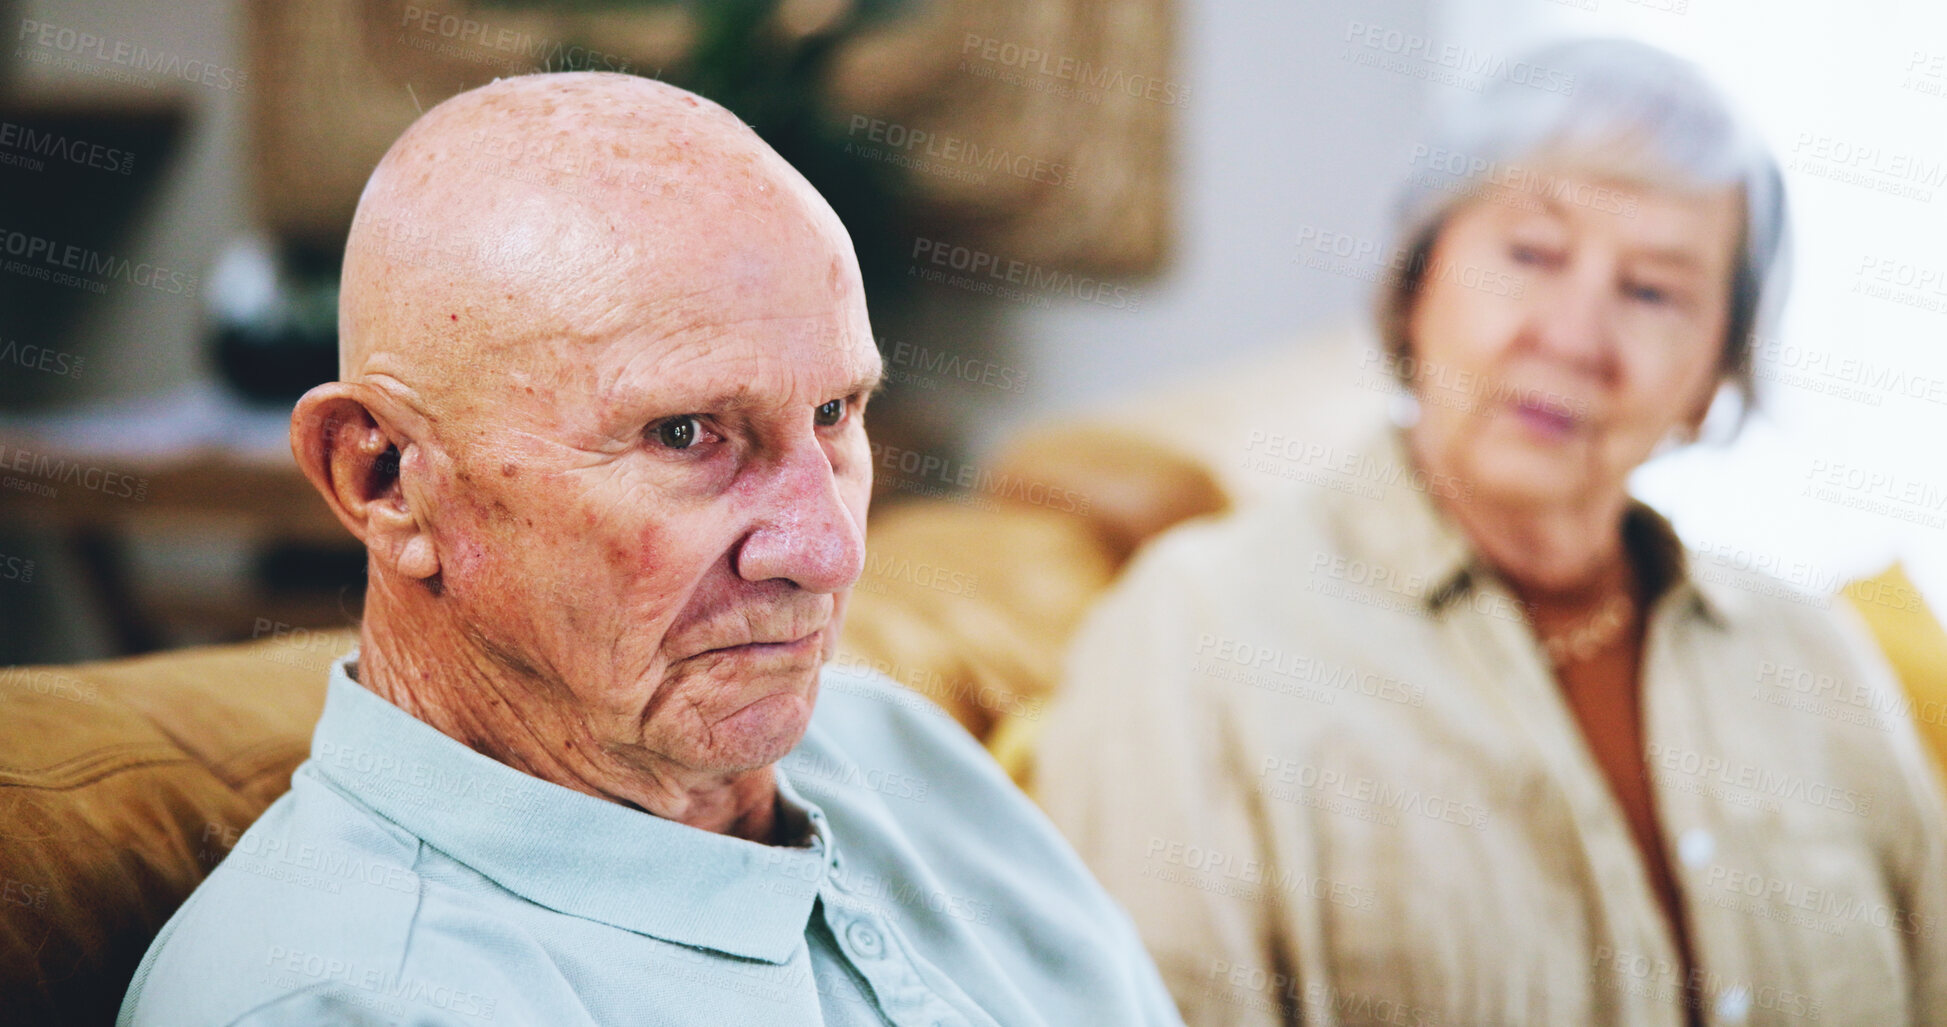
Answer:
(1693, 423)
(351, 451)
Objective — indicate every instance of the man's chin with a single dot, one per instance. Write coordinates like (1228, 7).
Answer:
(762, 732)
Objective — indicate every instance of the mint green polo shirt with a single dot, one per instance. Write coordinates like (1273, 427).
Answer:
(407, 879)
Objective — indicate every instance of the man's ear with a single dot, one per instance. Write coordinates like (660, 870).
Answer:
(351, 451)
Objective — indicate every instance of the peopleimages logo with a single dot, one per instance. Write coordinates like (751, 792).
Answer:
(1479, 172)
(1446, 63)
(1063, 68)
(40, 358)
(448, 34)
(1850, 162)
(955, 151)
(931, 470)
(78, 44)
(923, 367)
(1744, 782)
(50, 468)
(37, 255)
(15, 568)
(29, 142)
(983, 268)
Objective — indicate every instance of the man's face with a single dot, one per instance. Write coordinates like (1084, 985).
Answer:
(659, 518)
(1559, 343)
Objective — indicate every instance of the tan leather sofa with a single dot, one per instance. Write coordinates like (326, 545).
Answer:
(120, 783)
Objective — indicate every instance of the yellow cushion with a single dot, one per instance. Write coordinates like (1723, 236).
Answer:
(1914, 643)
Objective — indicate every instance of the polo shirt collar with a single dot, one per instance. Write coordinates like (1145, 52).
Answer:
(570, 852)
(1407, 534)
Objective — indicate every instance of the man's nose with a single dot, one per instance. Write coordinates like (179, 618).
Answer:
(804, 533)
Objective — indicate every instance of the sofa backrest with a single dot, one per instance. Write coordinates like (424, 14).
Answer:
(122, 783)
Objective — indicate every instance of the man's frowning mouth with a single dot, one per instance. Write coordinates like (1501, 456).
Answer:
(803, 645)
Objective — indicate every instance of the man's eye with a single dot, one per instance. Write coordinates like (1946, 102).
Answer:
(677, 432)
(829, 413)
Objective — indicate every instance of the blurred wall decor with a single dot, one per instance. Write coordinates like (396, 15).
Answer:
(944, 99)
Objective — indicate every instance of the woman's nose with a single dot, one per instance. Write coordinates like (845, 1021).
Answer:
(1573, 319)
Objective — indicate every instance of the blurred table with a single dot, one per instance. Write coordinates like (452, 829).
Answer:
(195, 470)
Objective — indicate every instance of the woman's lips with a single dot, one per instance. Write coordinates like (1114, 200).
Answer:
(1550, 422)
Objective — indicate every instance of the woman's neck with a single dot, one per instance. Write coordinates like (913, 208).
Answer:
(1567, 550)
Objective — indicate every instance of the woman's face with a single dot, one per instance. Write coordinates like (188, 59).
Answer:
(1555, 343)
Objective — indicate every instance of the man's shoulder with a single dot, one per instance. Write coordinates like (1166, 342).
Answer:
(896, 773)
(316, 893)
(852, 698)
(865, 717)
(881, 743)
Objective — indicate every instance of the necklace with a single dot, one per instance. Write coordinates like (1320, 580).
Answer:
(1596, 632)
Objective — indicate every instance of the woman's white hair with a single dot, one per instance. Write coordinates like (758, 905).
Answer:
(1622, 108)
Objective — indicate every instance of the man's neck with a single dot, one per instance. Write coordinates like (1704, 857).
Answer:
(515, 717)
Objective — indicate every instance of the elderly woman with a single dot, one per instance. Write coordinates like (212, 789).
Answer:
(1471, 743)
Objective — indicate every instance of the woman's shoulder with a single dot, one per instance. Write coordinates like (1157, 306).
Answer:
(1790, 614)
(1255, 539)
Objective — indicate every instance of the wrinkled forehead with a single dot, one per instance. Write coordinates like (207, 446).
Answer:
(628, 230)
(754, 286)
(756, 320)
(756, 368)
(483, 267)
(1663, 215)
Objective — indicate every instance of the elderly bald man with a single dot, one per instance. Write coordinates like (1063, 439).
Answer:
(600, 431)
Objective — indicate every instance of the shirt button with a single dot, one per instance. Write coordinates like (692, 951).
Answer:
(1734, 1004)
(1695, 847)
(865, 941)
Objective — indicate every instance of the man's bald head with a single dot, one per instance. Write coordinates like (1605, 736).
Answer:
(605, 361)
(495, 217)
